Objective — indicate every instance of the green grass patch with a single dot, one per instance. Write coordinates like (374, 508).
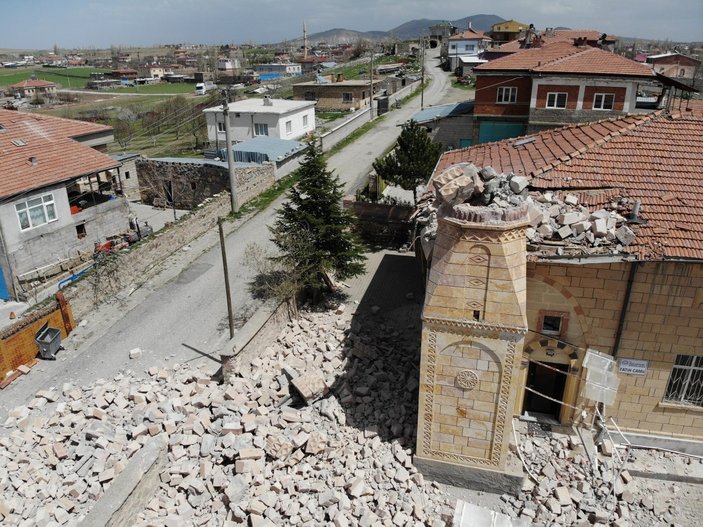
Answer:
(158, 89)
(462, 85)
(361, 71)
(66, 77)
(330, 116)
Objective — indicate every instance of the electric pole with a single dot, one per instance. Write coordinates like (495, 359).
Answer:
(223, 249)
(371, 86)
(422, 76)
(230, 155)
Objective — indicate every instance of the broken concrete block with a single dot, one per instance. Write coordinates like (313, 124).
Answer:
(518, 184)
(625, 235)
(135, 353)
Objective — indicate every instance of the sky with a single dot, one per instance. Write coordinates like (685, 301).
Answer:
(39, 24)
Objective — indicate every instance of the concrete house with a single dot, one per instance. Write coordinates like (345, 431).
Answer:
(553, 85)
(279, 118)
(506, 31)
(278, 69)
(469, 43)
(56, 196)
(675, 65)
(592, 240)
(33, 87)
(337, 94)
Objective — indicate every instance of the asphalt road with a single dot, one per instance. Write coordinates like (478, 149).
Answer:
(181, 316)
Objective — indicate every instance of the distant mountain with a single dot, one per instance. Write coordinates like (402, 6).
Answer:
(407, 31)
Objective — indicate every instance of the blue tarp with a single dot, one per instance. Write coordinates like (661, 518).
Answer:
(261, 149)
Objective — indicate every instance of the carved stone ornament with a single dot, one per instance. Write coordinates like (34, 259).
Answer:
(467, 379)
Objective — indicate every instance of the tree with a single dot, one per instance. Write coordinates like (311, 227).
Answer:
(123, 131)
(313, 232)
(412, 160)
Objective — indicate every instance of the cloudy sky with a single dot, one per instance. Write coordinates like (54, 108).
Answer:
(101, 23)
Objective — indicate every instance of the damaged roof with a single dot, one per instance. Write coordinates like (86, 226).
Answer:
(655, 158)
(39, 150)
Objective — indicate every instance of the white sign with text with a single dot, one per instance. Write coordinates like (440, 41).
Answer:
(633, 366)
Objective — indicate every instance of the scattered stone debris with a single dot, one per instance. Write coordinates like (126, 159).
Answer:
(572, 491)
(557, 225)
(249, 451)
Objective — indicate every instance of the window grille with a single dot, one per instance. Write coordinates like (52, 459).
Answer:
(686, 381)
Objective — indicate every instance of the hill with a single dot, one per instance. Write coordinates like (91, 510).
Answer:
(407, 31)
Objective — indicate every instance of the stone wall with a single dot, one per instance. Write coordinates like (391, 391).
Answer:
(381, 225)
(140, 262)
(192, 183)
(664, 318)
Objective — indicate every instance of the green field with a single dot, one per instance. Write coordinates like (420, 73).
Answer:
(164, 87)
(66, 77)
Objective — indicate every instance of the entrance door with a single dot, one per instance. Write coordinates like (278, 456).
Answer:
(548, 382)
(4, 293)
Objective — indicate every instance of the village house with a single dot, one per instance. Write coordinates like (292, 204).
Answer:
(552, 85)
(506, 31)
(278, 118)
(676, 66)
(278, 69)
(32, 88)
(56, 196)
(469, 43)
(335, 93)
(586, 237)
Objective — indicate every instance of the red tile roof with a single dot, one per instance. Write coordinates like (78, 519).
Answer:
(49, 142)
(470, 34)
(33, 83)
(563, 57)
(655, 158)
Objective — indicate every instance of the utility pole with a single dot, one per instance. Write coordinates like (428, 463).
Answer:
(230, 155)
(223, 249)
(371, 86)
(422, 76)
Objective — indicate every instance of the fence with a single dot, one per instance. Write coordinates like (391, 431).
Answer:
(17, 345)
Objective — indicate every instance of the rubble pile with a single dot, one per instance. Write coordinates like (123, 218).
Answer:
(315, 431)
(573, 491)
(556, 226)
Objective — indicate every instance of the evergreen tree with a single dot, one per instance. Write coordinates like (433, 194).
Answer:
(412, 160)
(313, 232)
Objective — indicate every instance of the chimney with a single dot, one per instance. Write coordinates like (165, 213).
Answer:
(537, 41)
(470, 28)
(340, 77)
(267, 101)
(580, 41)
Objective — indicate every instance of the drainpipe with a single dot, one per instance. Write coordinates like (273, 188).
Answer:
(625, 305)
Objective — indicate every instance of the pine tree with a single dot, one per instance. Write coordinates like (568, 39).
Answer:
(412, 160)
(313, 232)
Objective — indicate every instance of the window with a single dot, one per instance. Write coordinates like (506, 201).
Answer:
(347, 97)
(126, 175)
(453, 46)
(553, 322)
(261, 129)
(305, 121)
(310, 96)
(682, 72)
(36, 211)
(221, 127)
(686, 381)
(289, 127)
(603, 101)
(468, 47)
(506, 95)
(556, 100)
(80, 231)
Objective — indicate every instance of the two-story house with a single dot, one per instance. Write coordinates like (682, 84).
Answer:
(469, 43)
(553, 85)
(278, 69)
(57, 196)
(506, 31)
(279, 118)
(675, 65)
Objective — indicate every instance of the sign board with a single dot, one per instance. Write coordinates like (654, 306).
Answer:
(633, 366)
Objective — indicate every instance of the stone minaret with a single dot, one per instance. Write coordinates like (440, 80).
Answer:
(305, 40)
(474, 324)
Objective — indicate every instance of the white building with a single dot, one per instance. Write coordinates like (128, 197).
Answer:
(279, 118)
(468, 43)
(227, 64)
(279, 69)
